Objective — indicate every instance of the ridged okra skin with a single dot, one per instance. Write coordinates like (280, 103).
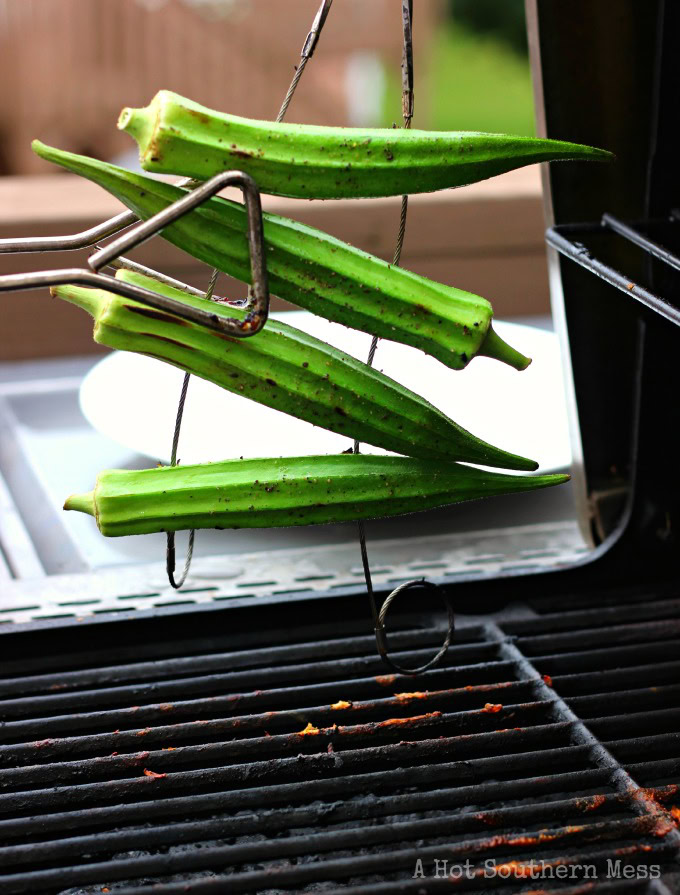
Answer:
(284, 368)
(316, 271)
(267, 493)
(178, 136)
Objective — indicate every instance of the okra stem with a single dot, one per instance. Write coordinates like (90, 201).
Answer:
(493, 346)
(83, 503)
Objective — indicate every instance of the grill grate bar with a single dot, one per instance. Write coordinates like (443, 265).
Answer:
(666, 697)
(504, 744)
(373, 686)
(619, 595)
(296, 846)
(261, 751)
(261, 680)
(219, 828)
(617, 678)
(343, 766)
(230, 781)
(131, 717)
(358, 649)
(333, 789)
(656, 769)
(444, 883)
(360, 865)
(630, 749)
(660, 629)
(640, 801)
(126, 740)
(589, 618)
(658, 721)
(615, 661)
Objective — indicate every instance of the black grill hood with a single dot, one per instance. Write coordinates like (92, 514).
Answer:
(607, 74)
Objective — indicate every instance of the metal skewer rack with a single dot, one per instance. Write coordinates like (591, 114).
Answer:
(549, 735)
(257, 304)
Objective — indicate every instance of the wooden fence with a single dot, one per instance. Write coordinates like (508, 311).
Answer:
(67, 67)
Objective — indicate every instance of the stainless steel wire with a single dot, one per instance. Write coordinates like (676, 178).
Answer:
(80, 240)
(381, 634)
(170, 549)
(257, 302)
(307, 51)
(170, 554)
(379, 617)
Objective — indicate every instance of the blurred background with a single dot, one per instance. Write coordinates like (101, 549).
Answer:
(69, 66)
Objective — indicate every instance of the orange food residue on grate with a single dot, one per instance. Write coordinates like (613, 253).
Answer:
(492, 707)
(661, 793)
(309, 730)
(541, 837)
(341, 704)
(547, 680)
(396, 722)
(590, 803)
(148, 773)
(386, 680)
(407, 697)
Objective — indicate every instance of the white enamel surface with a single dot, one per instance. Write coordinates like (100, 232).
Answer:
(133, 400)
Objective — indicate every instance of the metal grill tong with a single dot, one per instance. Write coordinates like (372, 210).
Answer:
(257, 303)
(111, 255)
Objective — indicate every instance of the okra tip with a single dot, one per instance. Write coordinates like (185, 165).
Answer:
(494, 346)
(59, 156)
(83, 503)
(42, 149)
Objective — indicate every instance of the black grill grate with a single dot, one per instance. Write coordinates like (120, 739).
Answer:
(302, 767)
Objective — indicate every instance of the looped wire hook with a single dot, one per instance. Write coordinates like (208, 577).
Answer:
(379, 617)
(381, 634)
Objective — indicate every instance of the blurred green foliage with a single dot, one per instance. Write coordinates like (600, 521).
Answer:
(504, 19)
(475, 81)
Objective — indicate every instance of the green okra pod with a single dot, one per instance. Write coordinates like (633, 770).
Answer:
(178, 136)
(315, 270)
(265, 493)
(287, 369)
